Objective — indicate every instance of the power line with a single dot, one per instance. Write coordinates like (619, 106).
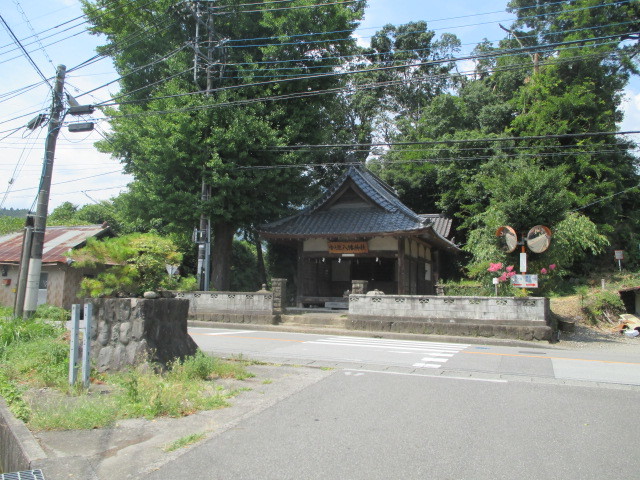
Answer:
(413, 64)
(605, 198)
(67, 181)
(462, 141)
(26, 54)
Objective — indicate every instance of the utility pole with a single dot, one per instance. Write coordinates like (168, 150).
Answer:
(202, 234)
(18, 306)
(196, 47)
(202, 237)
(40, 222)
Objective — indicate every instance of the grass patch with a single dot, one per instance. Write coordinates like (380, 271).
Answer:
(34, 356)
(74, 413)
(184, 442)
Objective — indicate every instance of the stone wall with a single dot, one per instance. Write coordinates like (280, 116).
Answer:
(127, 331)
(238, 307)
(526, 318)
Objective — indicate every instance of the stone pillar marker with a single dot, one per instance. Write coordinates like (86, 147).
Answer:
(359, 287)
(279, 286)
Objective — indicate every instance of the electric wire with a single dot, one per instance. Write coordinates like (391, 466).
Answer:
(110, 102)
(24, 51)
(37, 38)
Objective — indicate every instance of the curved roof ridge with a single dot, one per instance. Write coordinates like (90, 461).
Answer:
(389, 194)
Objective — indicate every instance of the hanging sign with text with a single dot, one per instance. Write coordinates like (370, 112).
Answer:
(348, 247)
(525, 281)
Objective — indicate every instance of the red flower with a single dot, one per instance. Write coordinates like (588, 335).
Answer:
(509, 268)
(543, 271)
(552, 266)
(503, 277)
(494, 267)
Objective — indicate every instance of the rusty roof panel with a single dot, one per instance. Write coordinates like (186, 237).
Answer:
(57, 241)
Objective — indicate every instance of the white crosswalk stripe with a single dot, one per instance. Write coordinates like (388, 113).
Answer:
(433, 354)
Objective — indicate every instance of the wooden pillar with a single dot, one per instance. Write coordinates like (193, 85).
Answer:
(401, 266)
(300, 283)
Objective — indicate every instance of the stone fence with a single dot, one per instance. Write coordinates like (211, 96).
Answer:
(453, 309)
(238, 307)
(526, 318)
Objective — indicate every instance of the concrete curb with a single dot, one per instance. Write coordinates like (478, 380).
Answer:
(20, 449)
(367, 334)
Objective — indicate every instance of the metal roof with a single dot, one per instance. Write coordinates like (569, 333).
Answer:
(57, 241)
(359, 204)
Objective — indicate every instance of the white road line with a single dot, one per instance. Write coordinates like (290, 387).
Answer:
(431, 359)
(226, 333)
(426, 365)
(418, 349)
(395, 343)
(404, 374)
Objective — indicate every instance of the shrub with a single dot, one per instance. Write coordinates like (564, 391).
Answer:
(135, 263)
(14, 329)
(603, 306)
(51, 313)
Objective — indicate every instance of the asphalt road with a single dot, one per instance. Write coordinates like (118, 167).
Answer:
(421, 410)
(585, 367)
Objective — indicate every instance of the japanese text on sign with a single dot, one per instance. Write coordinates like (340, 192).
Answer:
(348, 247)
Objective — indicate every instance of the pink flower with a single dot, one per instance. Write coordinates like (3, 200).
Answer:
(552, 266)
(510, 274)
(509, 268)
(494, 267)
(543, 271)
(503, 277)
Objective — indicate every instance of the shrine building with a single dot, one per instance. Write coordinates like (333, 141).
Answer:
(360, 230)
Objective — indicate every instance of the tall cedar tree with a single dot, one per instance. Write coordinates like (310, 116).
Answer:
(264, 79)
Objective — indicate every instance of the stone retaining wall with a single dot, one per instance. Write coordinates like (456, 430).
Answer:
(127, 331)
(238, 307)
(503, 310)
(527, 318)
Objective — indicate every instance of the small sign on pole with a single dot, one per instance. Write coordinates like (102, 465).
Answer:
(619, 256)
(73, 346)
(86, 344)
(525, 281)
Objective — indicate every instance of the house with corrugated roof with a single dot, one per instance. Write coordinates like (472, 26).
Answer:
(360, 230)
(59, 282)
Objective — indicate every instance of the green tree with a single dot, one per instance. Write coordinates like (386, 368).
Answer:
(177, 130)
(560, 71)
(10, 224)
(134, 264)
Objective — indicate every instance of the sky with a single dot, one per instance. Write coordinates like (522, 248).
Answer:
(81, 174)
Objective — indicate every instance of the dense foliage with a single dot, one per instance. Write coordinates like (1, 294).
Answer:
(134, 264)
(525, 138)
(211, 127)
(528, 137)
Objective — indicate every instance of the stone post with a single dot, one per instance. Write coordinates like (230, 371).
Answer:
(359, 287)
(279, 286)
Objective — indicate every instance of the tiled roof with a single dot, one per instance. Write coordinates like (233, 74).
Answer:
(441, 224)
(379, 211)
(57, 241)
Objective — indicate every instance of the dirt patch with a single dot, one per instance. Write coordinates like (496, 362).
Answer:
(568, 308)
(584, 334)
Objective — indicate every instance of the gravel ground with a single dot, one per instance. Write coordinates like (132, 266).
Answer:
(592, 339)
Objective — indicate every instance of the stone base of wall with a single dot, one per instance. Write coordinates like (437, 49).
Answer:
(465, 329)
(127, 331)
(258, 319)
